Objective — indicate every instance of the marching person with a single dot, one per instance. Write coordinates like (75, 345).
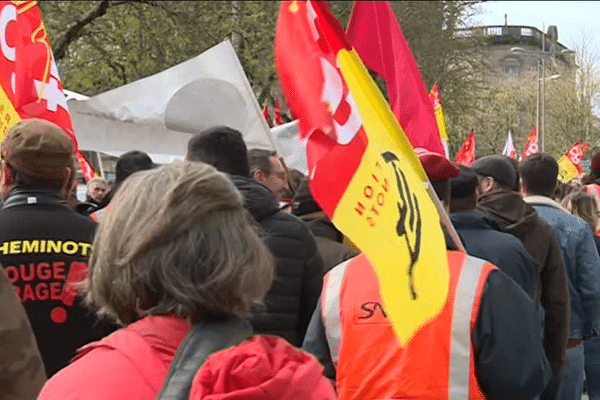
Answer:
(486, 347)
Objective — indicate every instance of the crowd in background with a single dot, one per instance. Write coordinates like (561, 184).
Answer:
(220, 277)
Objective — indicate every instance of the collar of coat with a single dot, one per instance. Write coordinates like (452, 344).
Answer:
(544, 201)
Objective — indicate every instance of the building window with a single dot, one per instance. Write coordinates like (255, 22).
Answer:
(512, 72)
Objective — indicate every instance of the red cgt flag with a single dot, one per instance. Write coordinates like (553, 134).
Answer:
(29, 83)
(376, 36)
(532, 144)
(466, 155)
(363, 171)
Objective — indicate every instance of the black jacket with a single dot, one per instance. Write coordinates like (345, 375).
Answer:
(299, 269)
(482, 240)
(44, 245)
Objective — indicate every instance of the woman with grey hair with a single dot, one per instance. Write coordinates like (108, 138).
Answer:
(179, 259)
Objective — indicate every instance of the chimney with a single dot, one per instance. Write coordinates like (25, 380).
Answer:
(505, 19)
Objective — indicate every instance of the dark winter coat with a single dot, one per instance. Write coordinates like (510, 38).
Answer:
(329, 240)
(299, 268)
(481, 239)
(513, 215)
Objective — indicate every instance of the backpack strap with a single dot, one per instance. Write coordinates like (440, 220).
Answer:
(200, 342)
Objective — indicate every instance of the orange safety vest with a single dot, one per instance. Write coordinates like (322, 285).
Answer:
(594, 190)
(438, 362)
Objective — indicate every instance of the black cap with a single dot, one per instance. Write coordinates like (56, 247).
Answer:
(498, 167)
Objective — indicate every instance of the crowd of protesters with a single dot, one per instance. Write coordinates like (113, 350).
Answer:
(220, 277)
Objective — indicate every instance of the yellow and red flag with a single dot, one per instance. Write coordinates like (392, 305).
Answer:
(363, 171)
(29, 83)
(531, 147)
(436, 102)
(375, 34)
(466, 154)
(569, 165)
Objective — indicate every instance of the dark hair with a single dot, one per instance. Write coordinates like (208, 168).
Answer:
(517, 186)
(258, 159)
(442, 189)
(539, 173)
(131, 162)
(23, 181)
(223, 148)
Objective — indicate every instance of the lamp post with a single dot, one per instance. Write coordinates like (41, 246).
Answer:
(540, 117)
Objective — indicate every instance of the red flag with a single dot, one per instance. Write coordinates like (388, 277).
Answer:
(363, 171)
(532, 144)
(466, 155)
(29, 83)
(266, 114)
(584, 149)
(575, 155)
(277, 121)
(376, 35)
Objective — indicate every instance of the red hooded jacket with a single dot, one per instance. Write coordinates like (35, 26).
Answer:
(133, 362)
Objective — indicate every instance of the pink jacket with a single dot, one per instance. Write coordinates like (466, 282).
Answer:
(133, 362)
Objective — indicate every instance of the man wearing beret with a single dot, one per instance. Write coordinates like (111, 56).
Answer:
(351, 335)
(44, 245)
(482, 238)
(501, 203)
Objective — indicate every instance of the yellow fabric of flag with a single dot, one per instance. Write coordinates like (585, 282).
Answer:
(387, 211)
(567, 171)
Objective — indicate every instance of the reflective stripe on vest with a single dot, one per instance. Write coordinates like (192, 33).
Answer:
(331, 309)
(460, 350)
(463, 317)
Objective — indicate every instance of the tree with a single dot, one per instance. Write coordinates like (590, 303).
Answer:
(100, 45)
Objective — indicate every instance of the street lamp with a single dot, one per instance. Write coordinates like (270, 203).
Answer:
(540, 118)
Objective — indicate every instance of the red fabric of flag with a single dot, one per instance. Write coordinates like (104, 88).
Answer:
(532, 144)
(319, 99)
(376, 36)
(575, 155)
(466, 155)
(266, 114)
(29, 78)
(277, 120)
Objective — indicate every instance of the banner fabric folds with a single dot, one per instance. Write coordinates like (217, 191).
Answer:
(509, 147)
(376, 36)
(29, 83)
(364, 172)
(466, 154)
(531, 147)
(436, 102)
(569, 165)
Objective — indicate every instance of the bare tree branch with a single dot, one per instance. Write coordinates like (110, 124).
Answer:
(73, 31)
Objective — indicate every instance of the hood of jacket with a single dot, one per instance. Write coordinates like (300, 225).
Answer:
(262, 367)
(258, 199)
(508, 210)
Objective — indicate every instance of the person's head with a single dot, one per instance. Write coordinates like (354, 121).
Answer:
(583, 205)
(96, 189)
(463, 190)
(439, 170)
(131, 162)
(495, 173)
(223, 148)
(303, 203)
(36, 154)
(187, 247)
(266, 168)
(539, 175)
(595, 166)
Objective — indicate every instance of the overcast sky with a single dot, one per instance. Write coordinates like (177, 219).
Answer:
(570, 17)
